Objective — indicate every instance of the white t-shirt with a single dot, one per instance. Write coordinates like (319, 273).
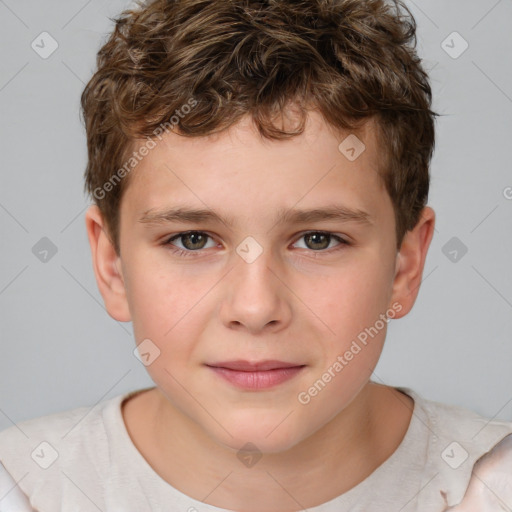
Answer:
(84, 460)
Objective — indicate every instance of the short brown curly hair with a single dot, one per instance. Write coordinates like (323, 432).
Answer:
(352, 60)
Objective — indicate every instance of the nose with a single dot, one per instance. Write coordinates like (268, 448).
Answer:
(255, 298)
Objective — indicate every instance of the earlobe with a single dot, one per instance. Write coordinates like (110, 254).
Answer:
(411, 261)
(107, 266)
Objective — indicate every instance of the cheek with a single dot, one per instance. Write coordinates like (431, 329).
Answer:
(354, 297)
(353, 304)
(149, 299)
(161, 301)
(151, 281)
(172, 307)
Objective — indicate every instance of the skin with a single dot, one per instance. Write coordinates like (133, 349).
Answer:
(490, 488)
(297, 302)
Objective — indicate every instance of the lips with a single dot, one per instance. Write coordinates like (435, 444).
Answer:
(256, 376)
(258, 366)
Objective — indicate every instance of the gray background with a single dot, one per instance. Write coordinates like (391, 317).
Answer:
(59, 347)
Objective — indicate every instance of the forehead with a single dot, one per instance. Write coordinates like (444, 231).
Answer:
(241, 174)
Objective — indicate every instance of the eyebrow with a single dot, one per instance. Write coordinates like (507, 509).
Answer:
(291, 216)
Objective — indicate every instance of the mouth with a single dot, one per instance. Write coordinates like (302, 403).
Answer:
(246, 366)
(256, 375)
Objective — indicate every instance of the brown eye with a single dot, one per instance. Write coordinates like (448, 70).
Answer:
(317, 241)
(192, 241)
(320, 241)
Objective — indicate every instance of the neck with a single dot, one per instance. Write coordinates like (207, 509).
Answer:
(328, 463)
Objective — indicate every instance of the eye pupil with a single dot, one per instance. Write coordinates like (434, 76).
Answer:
(196, 239)
(318, 240)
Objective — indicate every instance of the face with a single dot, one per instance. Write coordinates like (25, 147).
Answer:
(254, 278)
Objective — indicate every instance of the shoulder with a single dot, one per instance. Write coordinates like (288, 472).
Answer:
(462, 446)
(448, 422)
(67, 429)
(496, 465)
(490, 486)
(41, 453)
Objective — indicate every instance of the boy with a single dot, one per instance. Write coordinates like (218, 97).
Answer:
(260, 171)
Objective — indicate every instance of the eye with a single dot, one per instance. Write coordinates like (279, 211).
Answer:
(192, 241)
(321, 240)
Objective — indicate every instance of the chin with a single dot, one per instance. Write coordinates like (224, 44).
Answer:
(269, 434)
(258, 443)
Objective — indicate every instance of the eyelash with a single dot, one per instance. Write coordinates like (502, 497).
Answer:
(183, 253)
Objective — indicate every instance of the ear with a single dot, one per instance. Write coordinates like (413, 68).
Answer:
(107, 266)
(411, 260)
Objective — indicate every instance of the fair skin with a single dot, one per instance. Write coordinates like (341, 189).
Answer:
(302, 300)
